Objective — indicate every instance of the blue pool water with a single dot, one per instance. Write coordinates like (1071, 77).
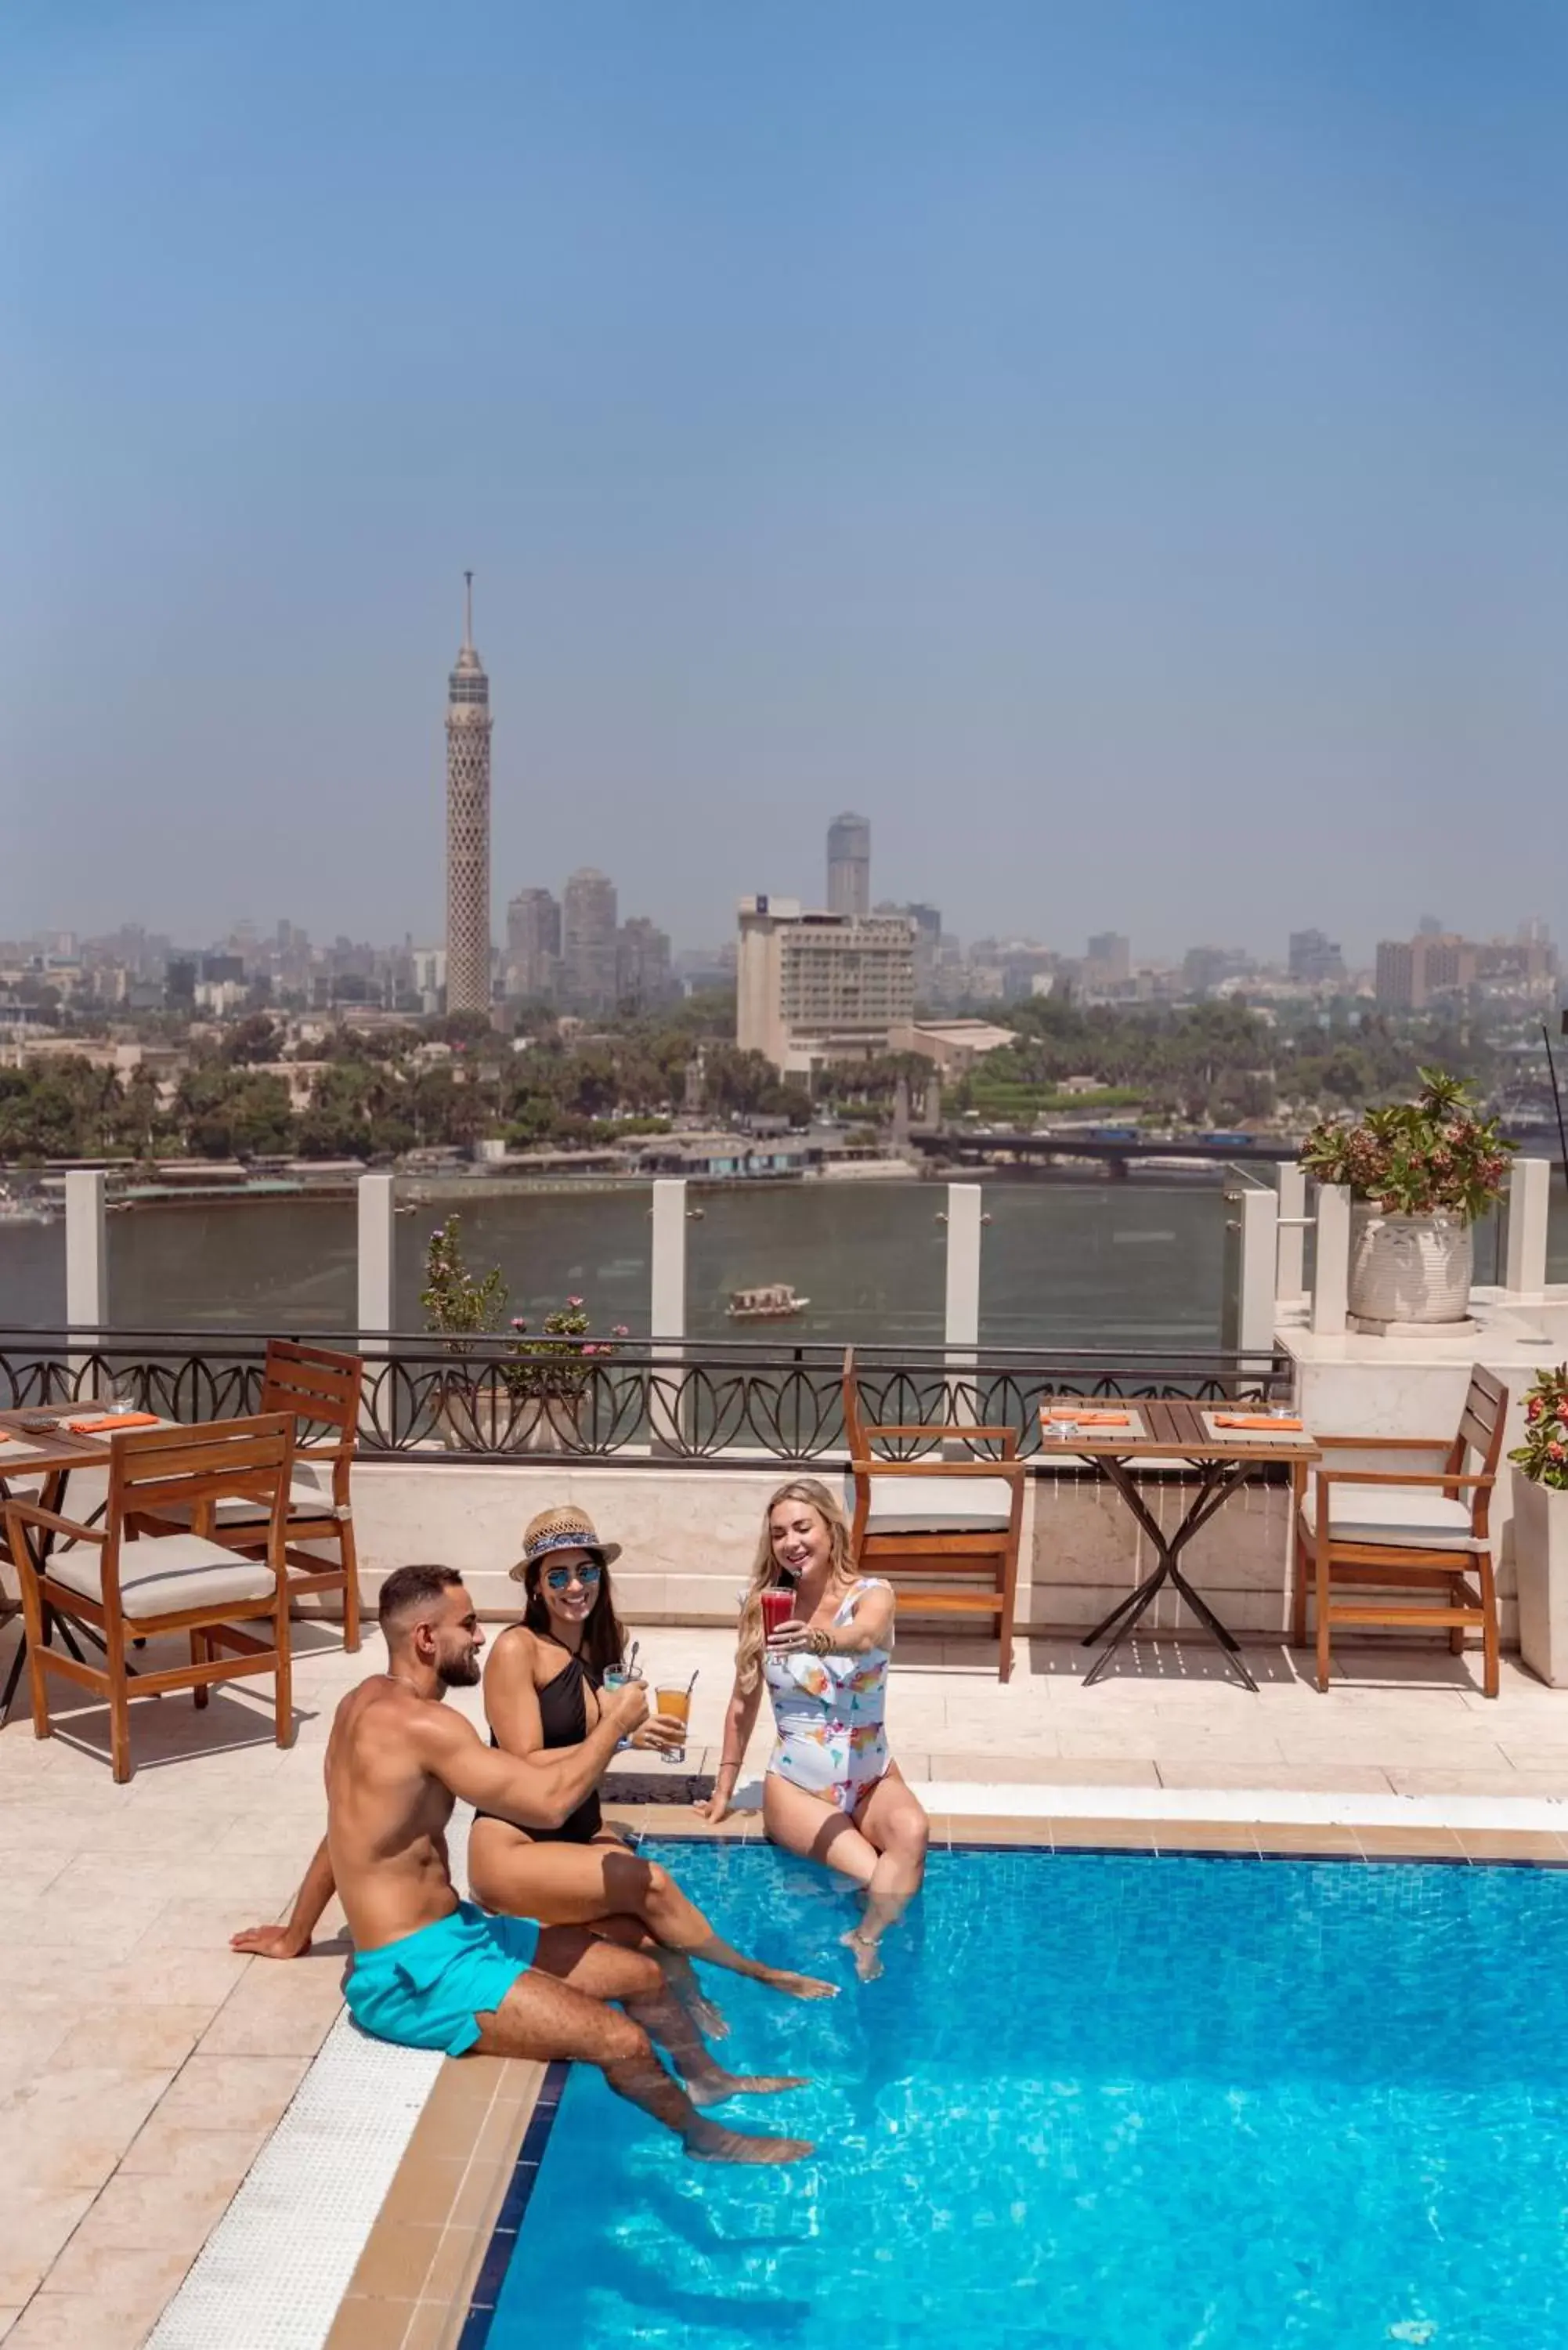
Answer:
(1098, 2101)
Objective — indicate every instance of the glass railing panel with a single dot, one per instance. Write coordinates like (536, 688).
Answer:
(867, 1260)
(1118, 1263)
(586, 1238)
(1557, 1228)
(33, 1273)
(278, 1265)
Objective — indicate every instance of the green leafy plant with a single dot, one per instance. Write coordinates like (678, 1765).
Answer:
(456, 1301)
(558, 1360)
(1543, 1455)
(1416, 1158)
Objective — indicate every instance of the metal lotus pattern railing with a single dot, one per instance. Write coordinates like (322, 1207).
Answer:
(713, 1404)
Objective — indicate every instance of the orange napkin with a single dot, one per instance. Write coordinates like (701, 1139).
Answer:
(111, 1420)
(1084, 1418)
(1255, 1420)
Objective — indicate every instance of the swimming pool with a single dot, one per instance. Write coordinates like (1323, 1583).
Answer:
(1100, 2100)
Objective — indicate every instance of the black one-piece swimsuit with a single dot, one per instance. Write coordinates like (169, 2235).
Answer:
(563, 1719)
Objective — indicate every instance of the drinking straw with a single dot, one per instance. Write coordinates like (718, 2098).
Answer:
(630, 1665)
(691, 1686)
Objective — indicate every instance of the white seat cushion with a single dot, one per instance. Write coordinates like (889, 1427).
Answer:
(161, 1574)
(304, 1500)
(1415, 1516)
(936, 1505)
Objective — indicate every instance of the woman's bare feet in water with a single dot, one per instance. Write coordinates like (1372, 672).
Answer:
(712, 2142)
(712, 2087)
(868, 1955)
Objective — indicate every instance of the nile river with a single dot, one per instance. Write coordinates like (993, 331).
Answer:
(1063, 1263)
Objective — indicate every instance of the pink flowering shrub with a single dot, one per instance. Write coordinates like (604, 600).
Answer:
(1417, 1157)
(1543, 1455)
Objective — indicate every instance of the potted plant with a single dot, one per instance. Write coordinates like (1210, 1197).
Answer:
(1420, 1174)
(526, 1397)
(1541, 1527)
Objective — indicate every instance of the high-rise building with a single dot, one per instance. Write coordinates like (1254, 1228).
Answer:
(1110, 956)
(1410, 971)
(1315, 961)
(1203, 968)
(1452, 964)
(468, 825)
(849, 866)
(1400, 973)
(533, 945)
(926, 922)
(589, 926)
(812, 988)
(643, 973)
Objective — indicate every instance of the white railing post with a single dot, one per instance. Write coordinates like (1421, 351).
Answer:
(1289, 1285)
(1260, 1214)
(1331, 1269)
(376, 1302)
(961, 1322)
(378, 1256)
(667, 1308)
(961, 1327)
(87, 1260)
(1528, 1203)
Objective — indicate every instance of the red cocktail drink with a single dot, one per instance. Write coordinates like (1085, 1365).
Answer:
(778, 1606)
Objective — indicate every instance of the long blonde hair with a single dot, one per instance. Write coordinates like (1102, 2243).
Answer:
(764, 1569)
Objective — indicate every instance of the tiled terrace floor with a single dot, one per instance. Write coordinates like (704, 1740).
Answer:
(142, 2065)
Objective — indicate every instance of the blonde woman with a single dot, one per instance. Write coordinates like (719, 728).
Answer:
(833, 1792)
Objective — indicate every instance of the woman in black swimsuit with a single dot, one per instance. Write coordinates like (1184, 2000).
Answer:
(540, 1691)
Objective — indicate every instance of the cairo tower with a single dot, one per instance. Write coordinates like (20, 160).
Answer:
(468, 825)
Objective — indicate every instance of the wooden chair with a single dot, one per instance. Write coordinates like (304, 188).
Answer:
(130, 1585)
(934, 1524)
(320, 1391)
(1422, 1529)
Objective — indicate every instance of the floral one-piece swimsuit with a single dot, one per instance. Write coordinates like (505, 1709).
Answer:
(830, 1712)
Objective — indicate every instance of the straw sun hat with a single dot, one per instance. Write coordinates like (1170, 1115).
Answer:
(562, 1529)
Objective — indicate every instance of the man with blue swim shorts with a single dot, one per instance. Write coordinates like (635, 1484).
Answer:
(432, 1971)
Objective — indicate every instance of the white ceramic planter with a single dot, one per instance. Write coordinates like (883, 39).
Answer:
(1541, 1562)
(1409, 1268)
(487, 1417)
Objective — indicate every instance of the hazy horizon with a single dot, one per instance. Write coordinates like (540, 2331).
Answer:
(1118, 449)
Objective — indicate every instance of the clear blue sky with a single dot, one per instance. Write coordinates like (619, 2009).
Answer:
(1116, 444)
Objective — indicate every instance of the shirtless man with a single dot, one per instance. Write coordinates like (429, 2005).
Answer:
(432, 1971)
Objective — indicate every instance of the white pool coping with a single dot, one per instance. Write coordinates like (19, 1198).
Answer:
(1276, 1807)
(274, 2270)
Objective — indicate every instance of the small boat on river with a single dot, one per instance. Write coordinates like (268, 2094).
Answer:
(775, 1302)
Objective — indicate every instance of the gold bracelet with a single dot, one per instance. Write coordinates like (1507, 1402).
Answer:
(821, 1641)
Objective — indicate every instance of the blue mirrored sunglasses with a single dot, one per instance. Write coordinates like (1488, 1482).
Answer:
(560, 1578)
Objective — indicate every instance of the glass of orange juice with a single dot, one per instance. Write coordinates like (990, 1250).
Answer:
(674, 1700)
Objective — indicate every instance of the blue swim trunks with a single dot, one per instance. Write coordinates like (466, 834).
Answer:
(427, 1989)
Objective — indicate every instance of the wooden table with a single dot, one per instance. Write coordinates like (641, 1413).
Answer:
(1167, 1429)
(51, 1455)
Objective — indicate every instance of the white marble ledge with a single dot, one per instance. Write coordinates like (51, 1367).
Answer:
(1506, 1335)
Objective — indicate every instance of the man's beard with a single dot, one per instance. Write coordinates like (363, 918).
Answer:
(462, 1673)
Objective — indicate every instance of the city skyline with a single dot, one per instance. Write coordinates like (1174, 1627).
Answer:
(1112, 451)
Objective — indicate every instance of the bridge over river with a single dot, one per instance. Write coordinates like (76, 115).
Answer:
(963, 1147)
